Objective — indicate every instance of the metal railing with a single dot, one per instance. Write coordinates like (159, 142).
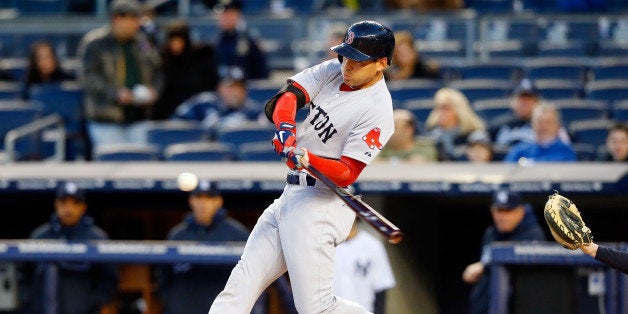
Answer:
(38, 125)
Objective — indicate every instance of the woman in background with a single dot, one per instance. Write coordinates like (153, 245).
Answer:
(43, 67)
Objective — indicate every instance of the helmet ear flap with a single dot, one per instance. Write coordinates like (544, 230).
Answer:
(340, 58)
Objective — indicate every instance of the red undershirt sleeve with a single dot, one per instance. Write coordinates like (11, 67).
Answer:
(286, 106)
(343, 172)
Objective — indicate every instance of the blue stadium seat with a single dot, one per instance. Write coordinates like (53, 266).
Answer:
(164, 133)
(620, 111)
(490, 6)
(404, 90)
(494, 110)
(508, 36)
(490, 70)
(199, 151)
(592, 132)
(607, 90)
(263, 90)
(551, 89)
(38, 7)
(556, 68)
(16, 67)
(562, 49)
(573, 110)
(237, 136)
(14, 114)
(126, 152)
(275, 37)
(611, 69)
(257, 151)
(65, 99)
(9, 90)
(483, 88)
(585, 152)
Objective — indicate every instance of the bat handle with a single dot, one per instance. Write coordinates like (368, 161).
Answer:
(395, 237)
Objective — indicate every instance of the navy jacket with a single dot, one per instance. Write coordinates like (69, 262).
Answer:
(82, 287)
(236, 49)
(190, 289)
(528, 230)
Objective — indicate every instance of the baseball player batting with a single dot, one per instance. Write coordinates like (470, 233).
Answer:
(350, 120)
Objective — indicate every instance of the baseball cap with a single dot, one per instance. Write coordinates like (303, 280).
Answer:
(125, 7)
(223, 5)
(506, 199)
(526, 87)
(206, 187)
(70, 189)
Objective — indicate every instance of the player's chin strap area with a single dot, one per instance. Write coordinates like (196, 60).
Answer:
(300, 178)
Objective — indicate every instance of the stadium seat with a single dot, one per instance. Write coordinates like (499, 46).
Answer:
(38, 7)
(551, 89)
(490, 70)
(257, 151)
(14, 114)
(237, 136)
(9, 90)
(404, 90)
(611, 69)
(275, 37)
(592, 132)
(585, 152)
(126, 152)
(65, 99)
(263, 90)
(555, 68)
(483, 88)
(16, 67)
(199, 151)
(494, 110)
(620, 111)
(573, 110)
(490, 6)
(607, 90)
(164, 133)
(562, 49)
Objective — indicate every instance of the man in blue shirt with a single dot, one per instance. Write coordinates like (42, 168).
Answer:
(188, 288)
(547, 146)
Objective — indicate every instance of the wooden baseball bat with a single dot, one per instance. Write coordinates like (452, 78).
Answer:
(362, 209)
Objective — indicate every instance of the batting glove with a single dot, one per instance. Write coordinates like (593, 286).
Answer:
(296, 158)
(284, 138)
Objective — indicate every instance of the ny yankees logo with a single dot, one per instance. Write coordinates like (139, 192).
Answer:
(372, 138)
(362, 268)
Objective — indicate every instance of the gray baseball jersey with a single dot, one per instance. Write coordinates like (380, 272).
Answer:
(300, 230)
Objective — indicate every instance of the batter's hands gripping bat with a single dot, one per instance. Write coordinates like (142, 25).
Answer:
(364, 211)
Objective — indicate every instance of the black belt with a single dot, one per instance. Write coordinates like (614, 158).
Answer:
(293, 178)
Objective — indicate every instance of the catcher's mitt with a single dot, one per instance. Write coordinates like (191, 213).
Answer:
(565, 222)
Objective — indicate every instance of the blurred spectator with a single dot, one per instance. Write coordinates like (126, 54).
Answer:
(237, 51)
(188, 288)
(616, 144)
(479, 149)
(404, 145)
(148, 23)
(407, 62)
(230, 106)
(69, 287)
(513, 220)
(43, 67)
(121, 77)
(451, 121)
(524, 99)
(547, 146)
(188, 68)
(362, 272)
(518, 129)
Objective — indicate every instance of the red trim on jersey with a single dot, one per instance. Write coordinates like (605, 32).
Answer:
(343, 172)
(285, 109)
(346, 88)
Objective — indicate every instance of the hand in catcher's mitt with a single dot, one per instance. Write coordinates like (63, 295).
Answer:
(565, 223)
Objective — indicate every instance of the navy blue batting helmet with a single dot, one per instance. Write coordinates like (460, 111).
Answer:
(366, 40)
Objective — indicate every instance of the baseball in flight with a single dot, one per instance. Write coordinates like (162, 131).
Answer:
(187, 181)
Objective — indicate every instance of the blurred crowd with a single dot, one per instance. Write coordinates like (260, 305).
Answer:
(135, 75)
